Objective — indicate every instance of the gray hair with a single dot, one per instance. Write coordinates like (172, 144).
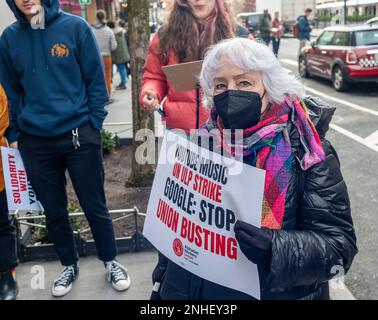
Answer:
(249, 55)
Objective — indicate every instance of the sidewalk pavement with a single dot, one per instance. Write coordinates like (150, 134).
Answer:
(91, 283)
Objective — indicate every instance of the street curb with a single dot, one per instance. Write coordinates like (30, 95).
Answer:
(339, 291)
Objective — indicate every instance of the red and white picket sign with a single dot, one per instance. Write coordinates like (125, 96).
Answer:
(193, 207)
(20, 194)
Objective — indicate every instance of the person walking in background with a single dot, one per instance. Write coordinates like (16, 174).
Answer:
(304, 29)
(276, 33)
(57, 96)
(8, 251)
(193, 26)
(121, 56)
(107, 43)
(123, 25)
(265, 27)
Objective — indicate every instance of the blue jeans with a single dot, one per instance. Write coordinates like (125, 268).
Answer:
(276, 45)
(266, 39)
(122, 73)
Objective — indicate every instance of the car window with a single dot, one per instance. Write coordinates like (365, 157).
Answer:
(366, 37)
(341, 39)
(326, 38)
(241, 20)
(253, 20)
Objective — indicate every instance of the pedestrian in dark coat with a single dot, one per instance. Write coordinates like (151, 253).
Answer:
(265, 27)
(121, 56)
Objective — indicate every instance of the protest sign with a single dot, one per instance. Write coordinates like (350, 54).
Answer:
(194, 203)
(20, 194)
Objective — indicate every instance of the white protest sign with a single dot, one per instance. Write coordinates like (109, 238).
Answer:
(20, 194)
(194, 203)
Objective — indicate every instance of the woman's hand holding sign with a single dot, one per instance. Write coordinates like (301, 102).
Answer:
(254, 242)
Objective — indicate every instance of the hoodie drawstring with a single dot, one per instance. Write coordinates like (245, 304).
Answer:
(32, 47)
(32, 51)
(44, 49)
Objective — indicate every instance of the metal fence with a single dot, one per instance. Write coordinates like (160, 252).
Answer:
(27, 252)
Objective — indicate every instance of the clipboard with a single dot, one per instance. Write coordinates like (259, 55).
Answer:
(184, 76)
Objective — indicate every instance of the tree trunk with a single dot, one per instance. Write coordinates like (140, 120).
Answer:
(139, 39)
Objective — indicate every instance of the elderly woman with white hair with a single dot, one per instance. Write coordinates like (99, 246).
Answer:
(307, 235)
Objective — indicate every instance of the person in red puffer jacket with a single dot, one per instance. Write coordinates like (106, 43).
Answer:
(193, 26)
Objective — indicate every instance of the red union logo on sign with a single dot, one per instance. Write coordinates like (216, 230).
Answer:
(178, 247)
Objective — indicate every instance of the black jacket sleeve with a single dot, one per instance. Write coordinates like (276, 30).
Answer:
(324, 242)
(160, 269)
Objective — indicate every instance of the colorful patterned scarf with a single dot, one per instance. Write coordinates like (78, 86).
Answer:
(269, 146)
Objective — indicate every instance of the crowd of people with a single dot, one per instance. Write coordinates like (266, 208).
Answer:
(56, 105)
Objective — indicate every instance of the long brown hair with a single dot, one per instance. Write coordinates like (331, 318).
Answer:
(187, 38)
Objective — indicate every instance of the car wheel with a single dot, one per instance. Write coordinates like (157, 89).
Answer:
(302, 66)
(338, 79)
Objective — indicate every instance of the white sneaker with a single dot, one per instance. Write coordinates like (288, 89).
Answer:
(63, 283)
(117, 275)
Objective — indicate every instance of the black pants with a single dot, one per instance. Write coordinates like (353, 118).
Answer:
(8, 249)
(46, 161)
(276, 45)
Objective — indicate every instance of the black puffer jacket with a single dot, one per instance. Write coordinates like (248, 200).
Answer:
(317, 237)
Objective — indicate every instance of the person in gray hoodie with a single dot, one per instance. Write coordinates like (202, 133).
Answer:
(107, 43)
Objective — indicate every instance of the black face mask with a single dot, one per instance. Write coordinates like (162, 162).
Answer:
(239, 109)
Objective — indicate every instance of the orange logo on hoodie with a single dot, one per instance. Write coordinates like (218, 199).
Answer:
(60, 50)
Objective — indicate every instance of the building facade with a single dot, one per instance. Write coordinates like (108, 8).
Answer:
(239, 6)
(6, 16)
(354, 7)
(292, 9)
(88, 11)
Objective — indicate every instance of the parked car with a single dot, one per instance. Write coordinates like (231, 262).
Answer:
(251, 20)
(342, 54)
(372, 22)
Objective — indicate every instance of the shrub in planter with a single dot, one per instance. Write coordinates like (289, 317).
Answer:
(77, 223)
(324, 18)
(108, 142)
(359, 18)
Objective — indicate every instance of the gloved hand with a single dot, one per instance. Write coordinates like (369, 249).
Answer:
(254, 242)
